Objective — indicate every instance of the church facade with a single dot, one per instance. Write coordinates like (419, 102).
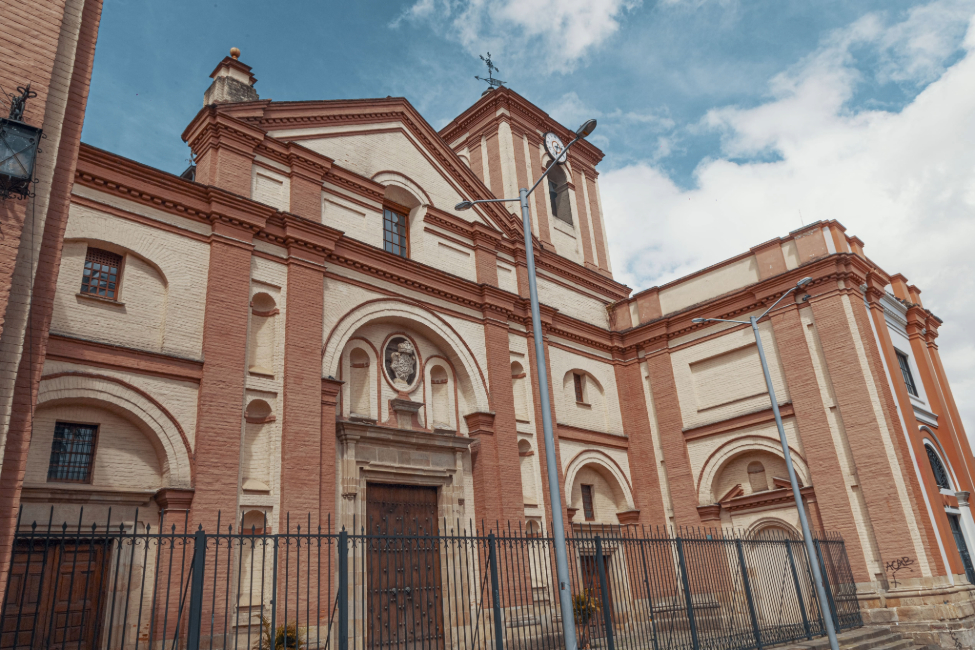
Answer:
(303, 317)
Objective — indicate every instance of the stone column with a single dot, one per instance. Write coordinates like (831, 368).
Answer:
(967, 523)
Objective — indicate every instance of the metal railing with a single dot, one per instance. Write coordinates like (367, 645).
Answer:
(410, 587)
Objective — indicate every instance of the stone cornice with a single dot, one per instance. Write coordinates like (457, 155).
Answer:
(522, 112)
(303, 115)
(827, 272)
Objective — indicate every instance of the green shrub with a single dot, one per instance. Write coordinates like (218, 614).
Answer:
(286, 637)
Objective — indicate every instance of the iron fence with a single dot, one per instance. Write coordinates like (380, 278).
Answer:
(410, 586)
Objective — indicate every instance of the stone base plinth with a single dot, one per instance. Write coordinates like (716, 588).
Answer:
(930, 612)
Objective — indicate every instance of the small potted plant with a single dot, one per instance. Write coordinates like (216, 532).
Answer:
(286, 637)
(584, 607)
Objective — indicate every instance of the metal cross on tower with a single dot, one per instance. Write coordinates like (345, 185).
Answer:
(491, 81)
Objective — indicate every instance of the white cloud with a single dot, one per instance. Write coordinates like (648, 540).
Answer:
(904, 182)
(560, 31)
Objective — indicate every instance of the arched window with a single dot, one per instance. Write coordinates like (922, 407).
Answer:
(756, 477)
(938, 468)
(558, 194)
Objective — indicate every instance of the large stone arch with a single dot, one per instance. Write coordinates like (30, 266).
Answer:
(160, 427)
(606, 466)
(736, 447)
(411, 315)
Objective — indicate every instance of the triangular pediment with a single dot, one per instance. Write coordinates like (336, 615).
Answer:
(383, 140)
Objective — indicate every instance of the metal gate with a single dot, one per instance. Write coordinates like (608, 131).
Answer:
(414, 584)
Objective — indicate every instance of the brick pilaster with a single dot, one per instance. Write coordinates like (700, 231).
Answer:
(874, 473)
(643, 459)
(817, 439)
(31, 56)
(602, 255)
(928, 483)
(501, 497)
(221, 396)
(301, 439)
(540, 432)
(331, 389)
(588, 255)
(683, 491)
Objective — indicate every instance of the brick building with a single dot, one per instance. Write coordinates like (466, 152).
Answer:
(303, 316)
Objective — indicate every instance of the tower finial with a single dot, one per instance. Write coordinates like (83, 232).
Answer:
(491, 81)
(234, 53)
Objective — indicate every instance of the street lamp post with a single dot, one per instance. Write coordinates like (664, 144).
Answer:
(558, 530)
(804, 522)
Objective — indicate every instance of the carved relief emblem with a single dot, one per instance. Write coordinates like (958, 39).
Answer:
(400, 362)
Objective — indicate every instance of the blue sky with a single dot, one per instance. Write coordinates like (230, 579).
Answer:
(725, 123)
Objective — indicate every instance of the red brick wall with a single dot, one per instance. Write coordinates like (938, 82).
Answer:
(643, 459)
(927, 475)
(817, 440)
(328, 471)
(539, 431)
(301, 429)
(889, 409)
(31, 57)
(683, 491)
(876, 480)
(306, 198)
(494, 166)
(221, 400)
(498, 470)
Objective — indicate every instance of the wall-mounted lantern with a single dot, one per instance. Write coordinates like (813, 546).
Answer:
(18, 149)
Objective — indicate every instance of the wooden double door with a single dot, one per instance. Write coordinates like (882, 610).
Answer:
(54, 596)
(403, 573)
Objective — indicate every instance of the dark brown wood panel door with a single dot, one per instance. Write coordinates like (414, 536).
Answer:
(403, 567)
(54, 597)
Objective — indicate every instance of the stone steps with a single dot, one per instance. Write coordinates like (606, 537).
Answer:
(865, 638)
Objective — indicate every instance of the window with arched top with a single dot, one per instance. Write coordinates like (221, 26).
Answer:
(439, 387)
(519, 388)
(757, 478)
(261, 344)
(941, 477)
(359, 371)
(558, 194)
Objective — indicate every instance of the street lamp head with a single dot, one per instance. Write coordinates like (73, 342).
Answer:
(698, 320)
(803, 282)
(587, 127)
(463, 205)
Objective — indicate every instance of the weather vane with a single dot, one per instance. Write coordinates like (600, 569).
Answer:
(491, 81)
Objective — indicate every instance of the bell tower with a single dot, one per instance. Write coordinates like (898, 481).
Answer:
(500, 139)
